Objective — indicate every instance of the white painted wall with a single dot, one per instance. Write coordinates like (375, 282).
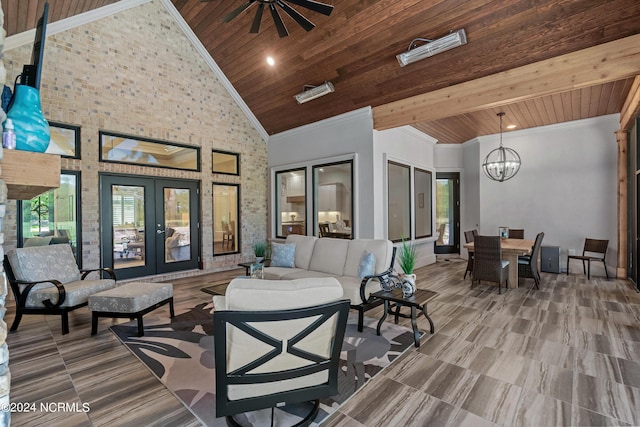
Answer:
(408, 146)
(339, 136)
(566, 186)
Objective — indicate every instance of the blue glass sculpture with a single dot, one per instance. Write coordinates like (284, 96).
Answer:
(32, 130)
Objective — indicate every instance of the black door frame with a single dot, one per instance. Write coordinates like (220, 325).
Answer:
(154, 224)
(455, 248)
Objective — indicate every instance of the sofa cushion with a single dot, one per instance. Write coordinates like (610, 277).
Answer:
(304, 249)
(329, 256)
(382, 249)
(278, 273)
(351, 288)
(44, 263)
(304, 274)
(283, 254)
(76, 293)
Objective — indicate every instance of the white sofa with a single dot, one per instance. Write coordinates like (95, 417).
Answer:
(339, 258)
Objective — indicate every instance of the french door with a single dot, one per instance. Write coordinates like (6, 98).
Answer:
(148, 225)
(448, 213)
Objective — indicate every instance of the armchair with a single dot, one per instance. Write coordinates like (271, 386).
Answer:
(46, 280)
(286, 354)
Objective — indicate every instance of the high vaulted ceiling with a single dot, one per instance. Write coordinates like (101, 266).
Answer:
(507, 65)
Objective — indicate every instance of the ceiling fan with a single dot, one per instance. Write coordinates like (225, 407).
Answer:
(312, 5)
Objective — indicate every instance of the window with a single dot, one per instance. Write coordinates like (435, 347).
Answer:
(226, 208)
(291, 209)
(65, 140)
(399, 201)
(422, 202)
(333, 204)
(53, 216)
(225, 162)
(117, 148)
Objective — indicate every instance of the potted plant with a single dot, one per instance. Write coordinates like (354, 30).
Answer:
(407, 262)
(260, 250)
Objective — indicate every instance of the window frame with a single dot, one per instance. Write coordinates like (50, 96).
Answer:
(77, 213)
(409, 211)
(238, 219)
(316, 193)
(278, 189)
(103, 133)
(427, 200)
(76, 138)
(229, 153)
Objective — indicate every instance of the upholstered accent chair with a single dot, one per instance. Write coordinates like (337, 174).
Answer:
(487, 261)
(528, 264)
(277, 343)
(46, 280)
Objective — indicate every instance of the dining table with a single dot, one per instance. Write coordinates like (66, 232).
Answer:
(511, 250)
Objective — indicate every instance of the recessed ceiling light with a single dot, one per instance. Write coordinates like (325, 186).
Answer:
(271, 61)
(512, 127)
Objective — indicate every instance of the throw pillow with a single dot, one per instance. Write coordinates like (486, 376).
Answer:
(367, 265)
(283, 255)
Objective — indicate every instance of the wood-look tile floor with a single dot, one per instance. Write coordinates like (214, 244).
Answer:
(567, 354)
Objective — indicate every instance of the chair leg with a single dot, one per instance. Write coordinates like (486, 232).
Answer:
(360, 319)
(16, 321)
(605, 268)
(65, 322)
(583, 269)
(568, 259)
(588, 269)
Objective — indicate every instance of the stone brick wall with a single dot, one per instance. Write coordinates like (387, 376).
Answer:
(137, 73)
(5, 376)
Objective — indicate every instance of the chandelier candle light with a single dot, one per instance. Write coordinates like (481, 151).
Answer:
(502, 163)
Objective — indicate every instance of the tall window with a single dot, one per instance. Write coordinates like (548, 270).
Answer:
(333, 204)
(291, 207)
(52, 217)
(226, 208)
(422, 202)
(399, 197)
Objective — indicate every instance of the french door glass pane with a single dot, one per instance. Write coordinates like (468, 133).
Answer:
(128, 226)
(422, 202)
(52, 216)
(399, 208)
(225, 218)
(291, 202)
(334, 199)
(445, 211)
(177, 224)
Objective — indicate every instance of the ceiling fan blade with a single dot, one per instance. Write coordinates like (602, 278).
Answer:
(277, 20)
(255, 27)
(296, 16)
(316, 6)
(238, 11)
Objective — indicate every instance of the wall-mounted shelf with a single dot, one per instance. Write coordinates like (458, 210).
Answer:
(28, 174)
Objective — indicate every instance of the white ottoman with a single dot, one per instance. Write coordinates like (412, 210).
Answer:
(132, 300)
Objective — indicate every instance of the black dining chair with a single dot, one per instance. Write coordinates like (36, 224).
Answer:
(469, 237)
(594, 250)
(528, 265)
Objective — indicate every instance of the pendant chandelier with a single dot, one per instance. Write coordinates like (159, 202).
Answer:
(502, 163)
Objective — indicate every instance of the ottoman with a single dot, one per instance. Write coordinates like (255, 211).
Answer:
(132, 300)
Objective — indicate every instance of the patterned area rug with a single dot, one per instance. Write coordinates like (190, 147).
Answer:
(180, 355)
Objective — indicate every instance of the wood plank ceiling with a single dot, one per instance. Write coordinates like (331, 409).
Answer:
(355, 49)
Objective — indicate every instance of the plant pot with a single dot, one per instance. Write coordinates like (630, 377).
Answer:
(259, 259)
(408, 285)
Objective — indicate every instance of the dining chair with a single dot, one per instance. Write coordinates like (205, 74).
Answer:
(528, 265)
(516, 233)
(594, 250)
(325, 230)
(487, 261)
(468, 237)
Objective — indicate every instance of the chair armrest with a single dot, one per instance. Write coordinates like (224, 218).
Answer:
(387, 279)
(62, 294)
(108, 270)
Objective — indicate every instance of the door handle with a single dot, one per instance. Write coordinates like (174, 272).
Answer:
(159, 231)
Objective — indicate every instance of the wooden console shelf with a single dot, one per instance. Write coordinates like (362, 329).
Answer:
(28, 174)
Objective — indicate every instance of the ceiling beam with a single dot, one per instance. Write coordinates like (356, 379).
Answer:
(631, 107)
(599, 64)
